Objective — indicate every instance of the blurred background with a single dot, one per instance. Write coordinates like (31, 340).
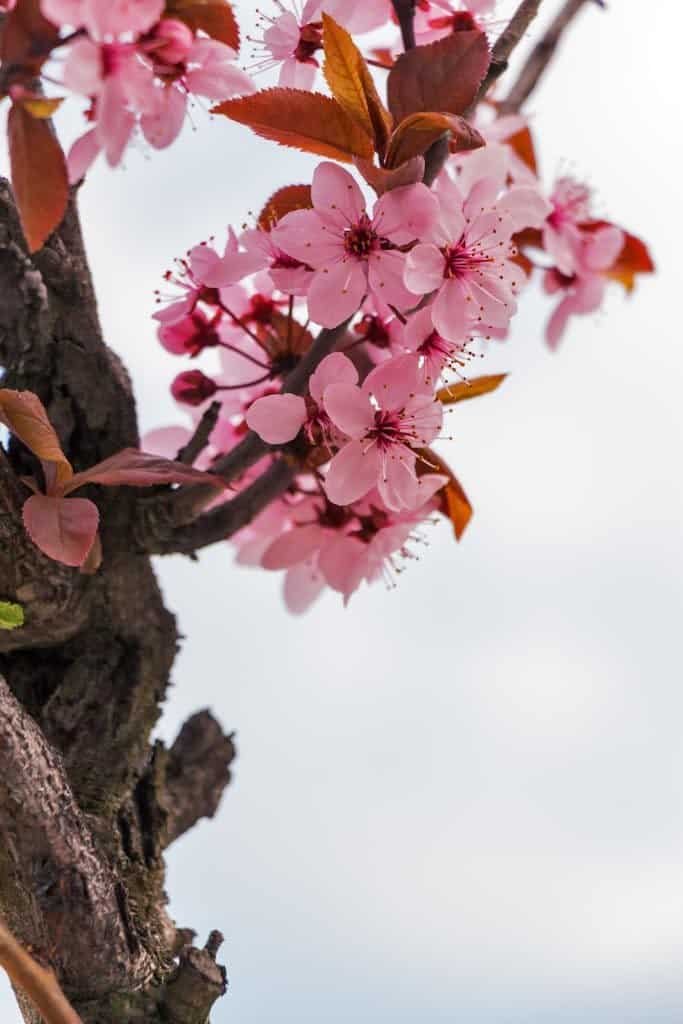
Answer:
(461, 800)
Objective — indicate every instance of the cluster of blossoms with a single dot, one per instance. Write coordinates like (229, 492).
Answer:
(410, 284)
(418, 275)
(291, 37)
(138, 67)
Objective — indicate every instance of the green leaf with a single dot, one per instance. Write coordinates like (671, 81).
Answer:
(11, 615)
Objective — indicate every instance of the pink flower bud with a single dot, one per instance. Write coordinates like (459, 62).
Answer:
(171, 41)
(189, 336)
(193, 387)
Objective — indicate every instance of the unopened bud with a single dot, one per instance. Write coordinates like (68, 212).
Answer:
(193, 387)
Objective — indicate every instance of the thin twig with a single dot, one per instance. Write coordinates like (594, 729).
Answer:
(405, 13)
(39, 984)
(540, 57)
(224, 521)
(505, 44)
(199, 440)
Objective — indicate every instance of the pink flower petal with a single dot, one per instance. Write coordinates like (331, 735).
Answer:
(386, 270)
(277, 418)
(303, 584)
(164, 126)
(407, 213)
(450, 311)
(526, 206)
(392, 382)
(83, 67)
(349, 409)
(115, 123)
(601, 249)
(398, 483)
(336, 292)
(293, 547)
(342, 563)
(334, 369)
(352, 472)
(215, 75)
(304, 235)
(82, 155)
(336, 195)
(119, 17)
(423, 271)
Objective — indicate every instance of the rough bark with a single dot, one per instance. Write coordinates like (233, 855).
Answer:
(87, 804)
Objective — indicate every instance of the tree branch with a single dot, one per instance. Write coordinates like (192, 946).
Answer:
(163, 525)
(405, 13)
(39, 984)
(199, 440)
(541, 56)
(48, 852)
(225, 520)
(197, 772)
(196, 984)
(505, 45)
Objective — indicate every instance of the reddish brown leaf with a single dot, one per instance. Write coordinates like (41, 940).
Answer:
(41, 106)
(215, 17)
(26, 37)
(63, 528)
(24, 415)
(529, 238)
(466, 389)
(351, 83)
(383, 179)
(417, 132)
(304, 120)
(442, 76)
(383, 57)
(139, 469)
(282, 202)
(286, 337)
(453, 502)
(39, 175)
(523, 144)
(633, 259)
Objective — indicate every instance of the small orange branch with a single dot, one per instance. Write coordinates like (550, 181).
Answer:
(39, 984)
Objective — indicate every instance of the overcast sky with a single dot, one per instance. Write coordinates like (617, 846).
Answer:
(461, 800)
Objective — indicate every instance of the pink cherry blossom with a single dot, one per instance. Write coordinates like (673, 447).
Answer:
(105, 18)
(562, 230)
(468, 261)
(434, 352)
(435, 19)
(202, 273)
(279, 418)
(358, 16)
(351, 252)
(325, 544)
(208, 70)
(120, 84)
(290, 41)
(583, 292)
(387, 420)
(286, 273)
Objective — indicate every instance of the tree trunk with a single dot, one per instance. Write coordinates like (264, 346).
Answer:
(87, 804)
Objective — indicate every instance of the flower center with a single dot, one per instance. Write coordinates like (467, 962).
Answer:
(462, 259)
(387, 429)
(372, 329)
(361, 239)
(435, 345)
(310, 40)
